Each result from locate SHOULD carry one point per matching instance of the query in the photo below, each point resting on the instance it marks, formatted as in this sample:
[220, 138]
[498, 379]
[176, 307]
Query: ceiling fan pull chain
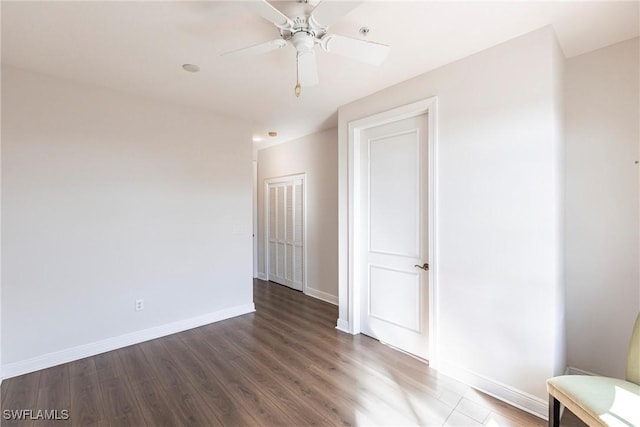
[298, 88]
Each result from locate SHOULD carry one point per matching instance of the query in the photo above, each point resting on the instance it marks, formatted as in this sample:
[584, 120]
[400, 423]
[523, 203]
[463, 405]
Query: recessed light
[192, 68]
[273, 134]
[256, 139]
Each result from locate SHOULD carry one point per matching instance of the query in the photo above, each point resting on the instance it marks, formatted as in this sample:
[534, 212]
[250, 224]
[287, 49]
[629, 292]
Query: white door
[286, 231]
[394, 226]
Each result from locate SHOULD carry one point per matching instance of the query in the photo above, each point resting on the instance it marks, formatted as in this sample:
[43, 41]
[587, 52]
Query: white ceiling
[139, 47]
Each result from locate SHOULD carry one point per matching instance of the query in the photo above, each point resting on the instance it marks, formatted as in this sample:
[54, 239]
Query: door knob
[424, 267]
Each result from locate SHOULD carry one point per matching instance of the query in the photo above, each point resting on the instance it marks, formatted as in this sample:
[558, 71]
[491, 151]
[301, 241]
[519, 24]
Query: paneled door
[394, 244]
[285, 232]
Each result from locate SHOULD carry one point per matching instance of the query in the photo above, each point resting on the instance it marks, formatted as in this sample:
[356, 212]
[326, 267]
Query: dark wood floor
[284, 365]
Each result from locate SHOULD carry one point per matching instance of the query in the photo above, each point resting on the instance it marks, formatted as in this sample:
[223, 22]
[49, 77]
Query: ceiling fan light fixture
[303, 41]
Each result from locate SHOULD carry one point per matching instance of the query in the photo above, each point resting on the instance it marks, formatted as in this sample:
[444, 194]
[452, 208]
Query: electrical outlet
[139, 304]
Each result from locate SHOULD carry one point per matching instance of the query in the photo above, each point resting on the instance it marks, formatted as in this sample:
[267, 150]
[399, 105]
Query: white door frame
[255, 218]
[428, 106]
[265, 192]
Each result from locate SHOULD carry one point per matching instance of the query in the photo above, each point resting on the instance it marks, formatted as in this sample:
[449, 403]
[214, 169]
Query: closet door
[297, 235]
[286, 231]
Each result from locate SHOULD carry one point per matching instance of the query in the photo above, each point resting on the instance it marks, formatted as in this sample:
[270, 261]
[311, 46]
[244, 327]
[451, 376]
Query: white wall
[1, 375]
[108, 198]
[317, 156]
[603, 283]
[498, 210]
[559, 297]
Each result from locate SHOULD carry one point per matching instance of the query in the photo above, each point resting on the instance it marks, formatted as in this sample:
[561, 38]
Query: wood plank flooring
[284, 365]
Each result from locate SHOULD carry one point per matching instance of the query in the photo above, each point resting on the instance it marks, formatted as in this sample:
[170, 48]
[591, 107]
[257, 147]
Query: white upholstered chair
[600, 401]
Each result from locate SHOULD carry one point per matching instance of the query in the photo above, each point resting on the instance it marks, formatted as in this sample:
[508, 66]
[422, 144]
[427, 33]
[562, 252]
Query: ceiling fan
[308, 29]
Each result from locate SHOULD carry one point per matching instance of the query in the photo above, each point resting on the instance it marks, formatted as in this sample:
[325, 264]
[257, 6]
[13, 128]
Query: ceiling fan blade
[258, 48]
[270, 13]
[360, 50]
[307, 68]
[328, 12]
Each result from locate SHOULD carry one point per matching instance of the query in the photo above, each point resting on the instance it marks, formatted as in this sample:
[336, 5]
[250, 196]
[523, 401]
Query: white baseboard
[262, 276]
[343, 326]
[69, 355]
[332, 299]
[575, 371]
[520, 399]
